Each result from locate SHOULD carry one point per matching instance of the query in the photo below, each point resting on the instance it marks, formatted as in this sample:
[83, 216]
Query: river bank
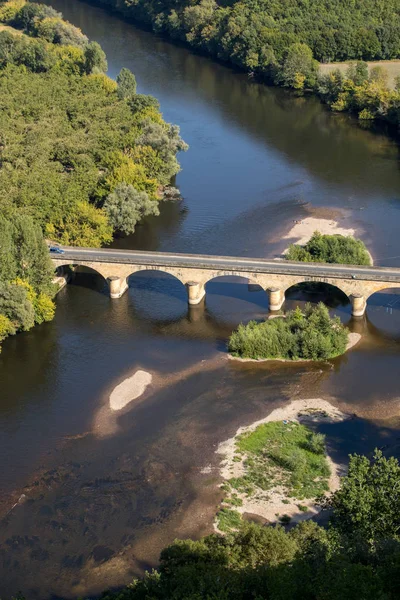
[290, 64]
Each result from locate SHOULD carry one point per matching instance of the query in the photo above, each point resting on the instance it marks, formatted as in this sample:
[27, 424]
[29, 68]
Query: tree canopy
[255, 34]
[281, 42]
[324, 248]
[311, 334]
[81, 157]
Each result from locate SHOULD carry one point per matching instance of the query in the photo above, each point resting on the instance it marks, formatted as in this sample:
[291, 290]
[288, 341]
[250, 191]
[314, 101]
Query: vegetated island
[311, 334]
[82, 157]
[281, 43]
[276, 468]
[323, 248]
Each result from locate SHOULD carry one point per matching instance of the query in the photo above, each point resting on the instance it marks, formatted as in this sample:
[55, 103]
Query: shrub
[6, 328]
[126, 206]
[311, 334]
[9, 10]
[330, 249]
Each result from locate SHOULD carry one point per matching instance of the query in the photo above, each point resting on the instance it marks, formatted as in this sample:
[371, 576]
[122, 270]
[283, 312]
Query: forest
[282, 42]
[82, 157]
[256, 33]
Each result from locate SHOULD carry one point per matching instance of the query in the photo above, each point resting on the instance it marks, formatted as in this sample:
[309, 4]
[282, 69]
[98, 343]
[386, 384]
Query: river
[89, 498]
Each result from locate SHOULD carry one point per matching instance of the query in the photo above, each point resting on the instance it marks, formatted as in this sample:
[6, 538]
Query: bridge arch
[157, 295]
[161, 271]
[383, 312]
[235, 298]
[318, 291]
[71, 271]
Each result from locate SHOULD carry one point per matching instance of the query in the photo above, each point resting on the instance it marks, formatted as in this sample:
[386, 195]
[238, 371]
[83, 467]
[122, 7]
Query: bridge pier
[358, 305]
[118, 285]
[196, 292]
[276, 298]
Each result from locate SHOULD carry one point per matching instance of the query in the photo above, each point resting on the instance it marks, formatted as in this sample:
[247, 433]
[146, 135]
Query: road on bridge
[229, 263]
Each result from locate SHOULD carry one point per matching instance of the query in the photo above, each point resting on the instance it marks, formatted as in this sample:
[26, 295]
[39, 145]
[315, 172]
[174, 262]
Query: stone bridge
[194, 271]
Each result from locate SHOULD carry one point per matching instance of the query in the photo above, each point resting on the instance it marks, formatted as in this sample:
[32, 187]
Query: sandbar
[302, 231]
[129, 389]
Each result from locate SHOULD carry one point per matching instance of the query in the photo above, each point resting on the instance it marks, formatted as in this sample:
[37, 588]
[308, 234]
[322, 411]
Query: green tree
[357, 72]
[368, 501]
[126, 84]
[44, 308]
[6, 328]
[126, 206]
[32, 255]
[8, 262]
[298, 66]
[16, 307]
[95, 59]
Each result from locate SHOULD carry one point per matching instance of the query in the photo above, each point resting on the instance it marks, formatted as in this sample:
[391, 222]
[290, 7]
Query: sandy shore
[303, 230]
[272, 504]
[130, 389]
[354, 338]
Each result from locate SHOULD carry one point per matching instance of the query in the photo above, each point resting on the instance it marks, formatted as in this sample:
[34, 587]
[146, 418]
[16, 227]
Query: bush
[9, 10]
[126, 206]
[311, 334]
[368, 501]
[6, 328]
[339, 249]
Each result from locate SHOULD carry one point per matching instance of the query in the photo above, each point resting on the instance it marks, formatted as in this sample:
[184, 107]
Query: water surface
[103, 493]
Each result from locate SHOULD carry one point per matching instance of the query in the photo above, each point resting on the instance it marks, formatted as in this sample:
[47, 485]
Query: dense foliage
[330, 249]
[256, 33]
[80, 137]
[281, 43]
[26, 274]
[359, 559]
[311, 334]
[81, 156]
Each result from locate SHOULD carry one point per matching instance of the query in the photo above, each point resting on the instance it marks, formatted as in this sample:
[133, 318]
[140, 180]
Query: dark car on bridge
[56, 250]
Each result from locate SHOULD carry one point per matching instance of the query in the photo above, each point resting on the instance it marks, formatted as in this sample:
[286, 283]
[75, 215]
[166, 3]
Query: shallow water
[103, 493]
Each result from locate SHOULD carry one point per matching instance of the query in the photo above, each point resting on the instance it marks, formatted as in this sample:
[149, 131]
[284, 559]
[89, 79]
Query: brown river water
[88, 499]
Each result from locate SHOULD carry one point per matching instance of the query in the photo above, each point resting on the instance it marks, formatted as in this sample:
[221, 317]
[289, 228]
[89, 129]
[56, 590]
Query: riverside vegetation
[278, 457]
[282, 42]
[338, 249]
[357, 556]
[301, 335]
[81, 156]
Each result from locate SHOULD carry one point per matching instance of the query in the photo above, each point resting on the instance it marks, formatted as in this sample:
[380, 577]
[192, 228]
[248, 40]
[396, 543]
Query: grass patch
[234, 500]
[310, 334]
[290, 455]
[228, 519]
